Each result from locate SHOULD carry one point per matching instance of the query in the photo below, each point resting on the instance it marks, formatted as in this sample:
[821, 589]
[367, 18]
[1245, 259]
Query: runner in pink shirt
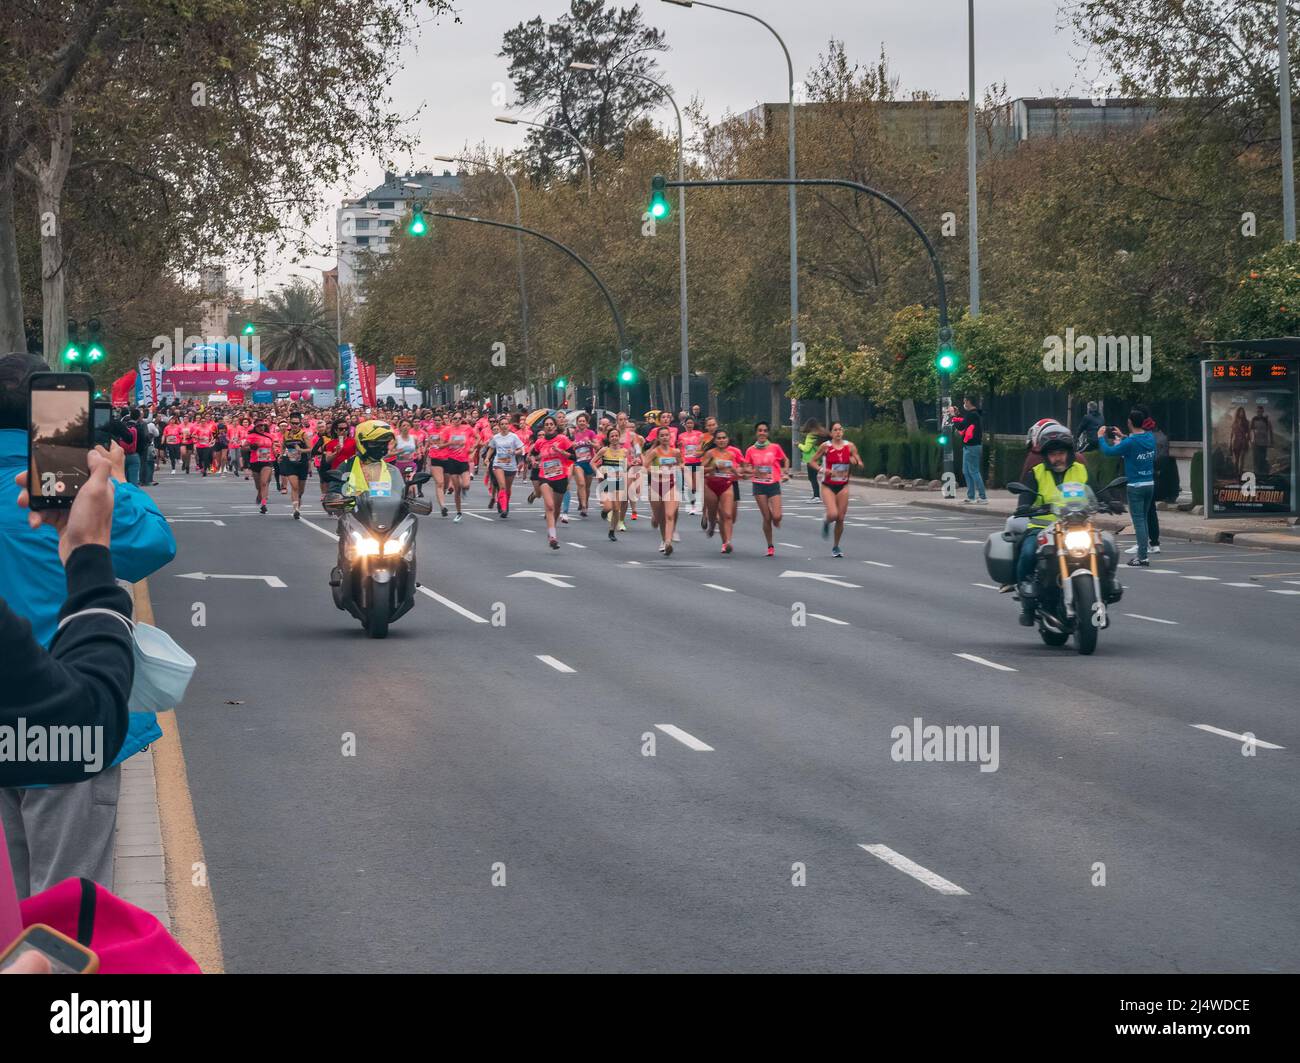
[691, 442]
[461, 443]
[585, 444]
[553, 458]
[765, 463]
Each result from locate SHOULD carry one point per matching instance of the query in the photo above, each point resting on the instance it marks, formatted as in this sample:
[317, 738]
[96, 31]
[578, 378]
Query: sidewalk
[1174, 524]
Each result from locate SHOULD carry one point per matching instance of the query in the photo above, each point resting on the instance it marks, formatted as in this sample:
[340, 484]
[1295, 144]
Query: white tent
[388, 386]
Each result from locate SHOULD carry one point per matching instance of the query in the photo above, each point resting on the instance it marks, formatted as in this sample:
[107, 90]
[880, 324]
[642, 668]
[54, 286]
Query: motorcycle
[1075, 564]
[375, 577]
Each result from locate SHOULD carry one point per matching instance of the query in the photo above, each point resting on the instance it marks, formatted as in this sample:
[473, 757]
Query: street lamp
[519, 249]
[660, 209]
[506, 120]
[794, 218]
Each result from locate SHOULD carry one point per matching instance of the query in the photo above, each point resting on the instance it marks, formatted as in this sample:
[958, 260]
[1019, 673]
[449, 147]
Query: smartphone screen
[103, 414]
[65, 957]
[60, 436]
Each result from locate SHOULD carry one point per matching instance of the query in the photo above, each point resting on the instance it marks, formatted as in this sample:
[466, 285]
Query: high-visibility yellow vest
[1049, 491]
[357, 484]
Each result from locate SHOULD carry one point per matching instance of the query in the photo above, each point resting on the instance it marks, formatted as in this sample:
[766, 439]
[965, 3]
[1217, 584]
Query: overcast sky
[451, 73]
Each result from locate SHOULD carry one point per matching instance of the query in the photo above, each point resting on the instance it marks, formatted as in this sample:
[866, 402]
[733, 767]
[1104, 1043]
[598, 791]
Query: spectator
[1161, 475]
[1138, 450]
[84, 678]
[65, 831]
[969, 423]
[813, 437]
[1088, 427]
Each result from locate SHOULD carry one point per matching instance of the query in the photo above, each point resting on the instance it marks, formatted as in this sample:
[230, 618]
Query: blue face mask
[162, 668]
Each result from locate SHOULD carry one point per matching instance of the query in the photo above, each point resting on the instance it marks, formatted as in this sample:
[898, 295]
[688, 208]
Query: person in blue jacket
[1138, 449]
[64, 831]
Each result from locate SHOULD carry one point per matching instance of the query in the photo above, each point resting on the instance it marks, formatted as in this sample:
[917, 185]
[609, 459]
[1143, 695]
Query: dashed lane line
[559, 666]
[1233, 734]
[685, 738]
[988, 664]
[911, 867]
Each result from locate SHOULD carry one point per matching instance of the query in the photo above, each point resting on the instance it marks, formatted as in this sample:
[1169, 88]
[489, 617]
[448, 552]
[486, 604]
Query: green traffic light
[946, 360]
[627, 375]
[943, 440]
[95, 354]
[418, 226]
[72, 353]
[659, 205]
[562, 383]
[249, 329]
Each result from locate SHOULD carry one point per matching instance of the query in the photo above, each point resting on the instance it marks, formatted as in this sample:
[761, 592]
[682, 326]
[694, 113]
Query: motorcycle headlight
[397, 544]
[1078, 542]
[364, 545]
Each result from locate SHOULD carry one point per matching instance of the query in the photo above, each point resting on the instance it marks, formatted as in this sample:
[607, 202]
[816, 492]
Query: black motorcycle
[1075, 564]
[375, 579]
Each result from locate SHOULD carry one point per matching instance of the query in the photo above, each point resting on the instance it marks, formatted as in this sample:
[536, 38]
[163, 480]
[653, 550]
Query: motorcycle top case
[1000, 557]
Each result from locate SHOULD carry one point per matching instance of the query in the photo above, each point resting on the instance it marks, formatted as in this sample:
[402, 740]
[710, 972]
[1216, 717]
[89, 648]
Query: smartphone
[103, 414]
[60, 437]
[65, 955]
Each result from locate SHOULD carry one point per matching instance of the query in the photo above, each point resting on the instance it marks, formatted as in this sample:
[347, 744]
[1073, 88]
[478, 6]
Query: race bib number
[692, 449]
[293, 452]
[840, 471]
[457, 441]
[552, 469]
[667, 462]
[722, 468]
[583, 451]
[763, 472]
[263, 453]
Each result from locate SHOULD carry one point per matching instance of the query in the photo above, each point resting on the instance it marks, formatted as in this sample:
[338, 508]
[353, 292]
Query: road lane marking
[990, 586]
[555, 579]
[559, 666]
[1165, 571]
[1271, 590]
[452, 605]
[910, 867]
[195, 520]
[1243, 585]
[1233, 734]
[953, 537]
[719, 587]
[686, 739]
[479, 516]
[980, 660]
[1205, 579]
[528, 531]
[1153, 619]
[820, 577]
[792, 546]
[878, 564]
[576, 546]
[929, 534]
[271, 581]
[831, 620]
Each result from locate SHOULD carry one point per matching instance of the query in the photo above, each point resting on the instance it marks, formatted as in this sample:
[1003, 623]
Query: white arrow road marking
[821, 577]
[271, 581]
[1153, 619]
[981, 660]
[195, 520]
[423, 590]
[1238, 584]
[559, 666]
[684, 738]
[910, 867]
[553, 578]
[831, 619]
[1233, 734]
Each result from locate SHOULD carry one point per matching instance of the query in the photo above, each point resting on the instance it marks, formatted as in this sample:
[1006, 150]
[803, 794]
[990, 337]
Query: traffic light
[946, 361]
[72, 352]
[627, 373]
[562, 383]
[94, 353]
[417, 226]
[943, 439]
[249, 329]
[659, 205]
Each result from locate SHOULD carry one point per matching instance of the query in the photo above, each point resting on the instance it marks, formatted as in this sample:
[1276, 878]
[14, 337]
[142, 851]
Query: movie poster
[1250, 435]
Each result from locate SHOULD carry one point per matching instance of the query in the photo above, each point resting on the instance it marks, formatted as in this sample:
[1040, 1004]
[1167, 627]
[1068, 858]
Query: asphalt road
[518, 747]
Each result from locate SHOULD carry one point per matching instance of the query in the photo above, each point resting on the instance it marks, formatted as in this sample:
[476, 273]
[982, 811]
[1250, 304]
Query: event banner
[1250, 410]
[351, 368]
[146, 390]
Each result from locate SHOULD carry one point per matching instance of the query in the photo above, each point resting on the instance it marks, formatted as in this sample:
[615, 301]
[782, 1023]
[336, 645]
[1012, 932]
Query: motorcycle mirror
[421, 478]
[422, 506]
[1119, 481]
[1018, 488]
[336, 503]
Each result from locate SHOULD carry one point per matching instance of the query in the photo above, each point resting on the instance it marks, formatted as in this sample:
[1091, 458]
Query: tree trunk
[12, 334]
[775, 415]
[49, 177]
[909, 415]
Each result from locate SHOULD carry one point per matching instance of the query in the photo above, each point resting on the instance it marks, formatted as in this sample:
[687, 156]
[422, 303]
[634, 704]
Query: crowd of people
[573, 461]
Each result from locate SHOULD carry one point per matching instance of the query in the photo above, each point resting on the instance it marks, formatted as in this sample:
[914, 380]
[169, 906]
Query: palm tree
[295, 331]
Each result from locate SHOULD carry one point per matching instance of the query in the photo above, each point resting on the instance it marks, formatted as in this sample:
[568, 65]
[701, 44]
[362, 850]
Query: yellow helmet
[373, 439]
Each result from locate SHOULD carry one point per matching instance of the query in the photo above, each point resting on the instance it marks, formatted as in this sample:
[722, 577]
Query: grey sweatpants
[59, 832]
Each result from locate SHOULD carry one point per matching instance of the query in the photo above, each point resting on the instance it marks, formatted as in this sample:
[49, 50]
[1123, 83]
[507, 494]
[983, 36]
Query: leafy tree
[296, 333]
[1266, 299]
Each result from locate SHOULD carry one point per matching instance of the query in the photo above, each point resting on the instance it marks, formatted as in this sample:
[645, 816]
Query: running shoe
[634, 514]
[726, 548]
[503, 514]
[676, 538]
[297, 515]
[555, 544]
[622, 526]
[263, 507]
[582, 513]
[444, 511]
[668, 550]
[771, 551]
[661, 548]
[458, 518]
[532, 497]
[704, 522]
[612, 537]
[710, 530]
[836, 552]
[564, 518]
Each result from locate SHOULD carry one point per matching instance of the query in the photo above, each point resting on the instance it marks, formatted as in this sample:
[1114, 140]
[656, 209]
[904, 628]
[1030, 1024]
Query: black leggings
[812, 480]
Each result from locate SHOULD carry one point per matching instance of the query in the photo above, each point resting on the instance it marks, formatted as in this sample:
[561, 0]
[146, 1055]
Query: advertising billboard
[1250, 411]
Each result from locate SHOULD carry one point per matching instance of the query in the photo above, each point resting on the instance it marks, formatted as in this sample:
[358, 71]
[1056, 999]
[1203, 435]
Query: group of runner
[662, 462]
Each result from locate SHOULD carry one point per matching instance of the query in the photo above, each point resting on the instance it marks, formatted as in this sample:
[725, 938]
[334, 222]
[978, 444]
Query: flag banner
[351, 370]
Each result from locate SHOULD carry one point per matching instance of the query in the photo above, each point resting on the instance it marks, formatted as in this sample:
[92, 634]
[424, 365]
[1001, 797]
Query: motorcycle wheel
[1085, 631]
[1054, 638]
[381, 608]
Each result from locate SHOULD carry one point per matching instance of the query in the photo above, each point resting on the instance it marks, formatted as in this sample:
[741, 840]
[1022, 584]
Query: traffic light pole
[625, 352]
[945, 330]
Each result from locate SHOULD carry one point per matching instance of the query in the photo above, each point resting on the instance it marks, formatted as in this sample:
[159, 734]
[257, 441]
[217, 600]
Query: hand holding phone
[90, 518]
[61, 955]
[60, 436]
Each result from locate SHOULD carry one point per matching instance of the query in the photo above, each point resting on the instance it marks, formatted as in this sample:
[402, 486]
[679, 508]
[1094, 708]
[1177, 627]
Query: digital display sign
[1252, 447]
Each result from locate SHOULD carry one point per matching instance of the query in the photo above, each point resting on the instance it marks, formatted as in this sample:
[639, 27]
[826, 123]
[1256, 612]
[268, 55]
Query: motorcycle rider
[368, 471]
[1058, 466]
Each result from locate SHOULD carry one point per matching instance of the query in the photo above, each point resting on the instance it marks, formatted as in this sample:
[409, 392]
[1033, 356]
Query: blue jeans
[1139, 500]
[1027, 555]
[970, 469]
[133, 469]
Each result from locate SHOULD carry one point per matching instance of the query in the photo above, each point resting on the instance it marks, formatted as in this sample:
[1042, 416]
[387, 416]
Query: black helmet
[1055, 437]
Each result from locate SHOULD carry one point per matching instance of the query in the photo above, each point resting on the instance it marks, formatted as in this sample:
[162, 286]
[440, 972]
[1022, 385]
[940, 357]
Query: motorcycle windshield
[380, 512]
[1076, 500]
